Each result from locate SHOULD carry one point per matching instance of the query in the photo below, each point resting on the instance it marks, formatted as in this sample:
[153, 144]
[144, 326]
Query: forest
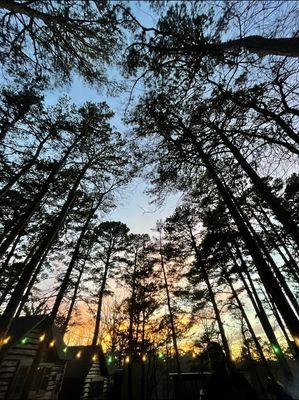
[209, 116]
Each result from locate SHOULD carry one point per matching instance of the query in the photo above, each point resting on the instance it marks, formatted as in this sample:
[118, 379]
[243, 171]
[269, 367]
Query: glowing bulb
[296, 340]
[144, 358]
[109, 360]
[42, 337]
[52, 343]
[78, 355]
[65, 350]
[193, 355]
[24, 340]
[94, 358]
[276, 349]
[6, 340]
[127, 360]
[160, 355]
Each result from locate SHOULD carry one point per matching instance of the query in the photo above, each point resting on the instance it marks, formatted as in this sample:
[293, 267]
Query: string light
[193, 355]
[144, 358]
[296, 340]
[127, 360]
[276, 349]
[160, 355]
[109, 360]
[78, 355]
[42, 337]
[6, 340]
[65, 349]
[94, 358]
[24, 340]
[52, 343]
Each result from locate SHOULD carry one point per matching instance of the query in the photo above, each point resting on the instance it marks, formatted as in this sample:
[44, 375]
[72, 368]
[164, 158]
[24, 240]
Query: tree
[112, 241]
[182, 228]
[100, 159]
[143, 283]
[186, 153]
[19, 104]
[58, 38]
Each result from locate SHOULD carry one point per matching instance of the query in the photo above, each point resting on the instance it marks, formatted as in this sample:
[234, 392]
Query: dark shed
[86, 375]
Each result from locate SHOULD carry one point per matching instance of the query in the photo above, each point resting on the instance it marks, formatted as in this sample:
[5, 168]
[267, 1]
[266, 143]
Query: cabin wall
[19, 355]
[18, 358]
[96, 385]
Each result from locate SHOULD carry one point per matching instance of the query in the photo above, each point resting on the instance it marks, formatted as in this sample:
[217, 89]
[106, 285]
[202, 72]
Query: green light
[160, 355]
[24, 340]
[109, 360]
[65, 350]
[276, 349]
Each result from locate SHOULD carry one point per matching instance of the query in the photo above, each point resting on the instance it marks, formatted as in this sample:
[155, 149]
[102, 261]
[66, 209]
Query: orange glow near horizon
[82, 326]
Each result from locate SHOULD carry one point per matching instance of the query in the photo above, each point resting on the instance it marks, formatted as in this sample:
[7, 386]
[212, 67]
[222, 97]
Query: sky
[134, 208]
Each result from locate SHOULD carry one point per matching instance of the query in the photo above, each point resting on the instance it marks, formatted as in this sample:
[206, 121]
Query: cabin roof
[22, 326]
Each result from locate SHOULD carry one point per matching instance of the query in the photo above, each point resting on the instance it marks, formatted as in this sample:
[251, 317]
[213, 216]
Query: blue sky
[134, 206]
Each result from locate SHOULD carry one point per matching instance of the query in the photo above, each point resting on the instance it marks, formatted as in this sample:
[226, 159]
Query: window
[45, 379]
[41, 379]
[18, 382]
[39, 384]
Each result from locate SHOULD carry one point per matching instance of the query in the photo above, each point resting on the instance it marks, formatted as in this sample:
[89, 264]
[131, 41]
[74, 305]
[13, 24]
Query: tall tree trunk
[31, 283]
[67, 275]
[142, 355]
[285, 47]
[282, 214]
[263, 269]
[217, 315]
[269, 281]
[278, 319]
[100, 300]
[73, 300]
[266, 275]
[251, 330]
[278, 274]
[50, 321]
[292, 269]
[13, 279]
[173, 330]
[260, 311]
[212, 298]
[50, 236]
[279, 239]
[10, 254]
[131, 322]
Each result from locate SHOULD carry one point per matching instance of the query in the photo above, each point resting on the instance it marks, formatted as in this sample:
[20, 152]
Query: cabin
[86, 374]
[22, 343]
